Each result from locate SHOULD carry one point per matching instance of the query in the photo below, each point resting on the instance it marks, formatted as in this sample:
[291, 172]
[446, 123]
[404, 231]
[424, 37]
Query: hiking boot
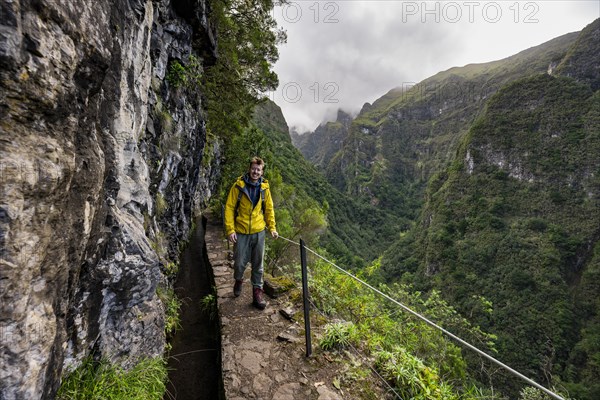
[259, 302]
[237, 288]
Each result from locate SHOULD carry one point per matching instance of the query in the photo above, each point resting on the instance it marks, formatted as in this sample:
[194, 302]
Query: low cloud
[341, 54]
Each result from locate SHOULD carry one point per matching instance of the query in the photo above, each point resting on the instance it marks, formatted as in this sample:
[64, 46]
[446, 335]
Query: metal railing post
[305, 296]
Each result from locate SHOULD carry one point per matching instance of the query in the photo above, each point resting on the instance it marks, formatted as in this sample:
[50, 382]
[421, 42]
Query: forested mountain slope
[396, 144]
[515, 218]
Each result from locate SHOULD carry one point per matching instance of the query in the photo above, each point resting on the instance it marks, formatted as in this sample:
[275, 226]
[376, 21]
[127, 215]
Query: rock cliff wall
[320, 146]
[102, 165]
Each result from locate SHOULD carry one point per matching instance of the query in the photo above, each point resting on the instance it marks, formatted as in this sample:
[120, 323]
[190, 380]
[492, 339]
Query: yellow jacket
[249, 220]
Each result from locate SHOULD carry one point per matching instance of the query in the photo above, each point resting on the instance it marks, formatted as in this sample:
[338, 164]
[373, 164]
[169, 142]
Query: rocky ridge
[321, 145]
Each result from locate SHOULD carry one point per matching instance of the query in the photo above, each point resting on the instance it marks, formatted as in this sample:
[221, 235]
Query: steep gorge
[496, 165]
[396, 144]
[102, 167]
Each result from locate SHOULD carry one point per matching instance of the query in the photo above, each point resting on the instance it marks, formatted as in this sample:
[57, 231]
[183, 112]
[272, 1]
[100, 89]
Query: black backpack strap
[237, 204]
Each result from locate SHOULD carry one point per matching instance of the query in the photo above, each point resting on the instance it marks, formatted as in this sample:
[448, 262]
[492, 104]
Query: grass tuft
[338, 335]
[103, 380]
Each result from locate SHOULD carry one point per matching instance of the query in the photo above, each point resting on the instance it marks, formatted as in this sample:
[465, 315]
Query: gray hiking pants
[249, 248]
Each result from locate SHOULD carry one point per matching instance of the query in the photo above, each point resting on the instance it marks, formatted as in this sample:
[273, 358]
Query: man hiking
[248, 212]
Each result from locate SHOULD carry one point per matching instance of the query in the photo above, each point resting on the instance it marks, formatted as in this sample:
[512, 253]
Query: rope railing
[289, 240]
[429, 322]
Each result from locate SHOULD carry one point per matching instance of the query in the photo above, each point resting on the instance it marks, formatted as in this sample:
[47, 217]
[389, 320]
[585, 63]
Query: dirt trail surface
[264, 353]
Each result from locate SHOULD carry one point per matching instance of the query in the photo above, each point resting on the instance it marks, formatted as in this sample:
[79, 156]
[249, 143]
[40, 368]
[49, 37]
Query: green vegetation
[284, 282]
[176, 74]
[208, 305]
[338, 335]
[416, 359]
[531, 393]
[172, 305]
[512, 219]
[171, 269]
[98, 380]
[248, 39]
[410, 376]
[188, 76]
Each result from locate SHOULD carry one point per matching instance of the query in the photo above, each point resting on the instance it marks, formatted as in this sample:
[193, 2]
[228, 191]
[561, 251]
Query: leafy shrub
[177, 74]
[411, 377]
[536, 224]
[531, 393]
[382, 328]
[189, 75]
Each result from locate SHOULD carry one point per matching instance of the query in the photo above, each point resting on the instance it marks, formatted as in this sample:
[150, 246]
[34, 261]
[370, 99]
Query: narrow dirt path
[264, 353]
[195, 361]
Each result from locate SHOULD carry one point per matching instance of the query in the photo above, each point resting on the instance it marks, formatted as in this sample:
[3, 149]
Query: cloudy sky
[343, 53]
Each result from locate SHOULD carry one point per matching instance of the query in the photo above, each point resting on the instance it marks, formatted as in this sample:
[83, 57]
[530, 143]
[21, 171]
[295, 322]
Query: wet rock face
[84, 160]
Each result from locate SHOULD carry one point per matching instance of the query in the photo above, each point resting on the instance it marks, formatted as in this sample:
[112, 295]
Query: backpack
[237, 204]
